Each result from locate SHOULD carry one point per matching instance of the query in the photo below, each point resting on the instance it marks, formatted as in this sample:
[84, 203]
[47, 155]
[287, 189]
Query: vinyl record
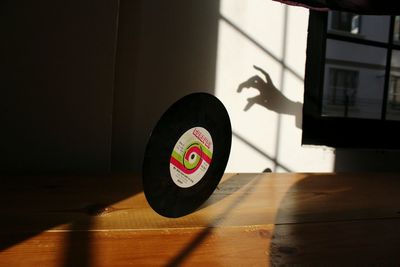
[186, 155]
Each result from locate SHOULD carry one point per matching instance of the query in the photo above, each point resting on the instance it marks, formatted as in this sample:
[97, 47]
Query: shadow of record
[186, 155]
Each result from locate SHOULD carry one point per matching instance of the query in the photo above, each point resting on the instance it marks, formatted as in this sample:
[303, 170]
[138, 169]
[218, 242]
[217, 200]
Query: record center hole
[192, 156]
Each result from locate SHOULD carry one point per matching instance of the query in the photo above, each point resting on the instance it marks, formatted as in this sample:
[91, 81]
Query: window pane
[396, 30]
[393, 101]
[354, 80]
[346, 22]
[374, 28]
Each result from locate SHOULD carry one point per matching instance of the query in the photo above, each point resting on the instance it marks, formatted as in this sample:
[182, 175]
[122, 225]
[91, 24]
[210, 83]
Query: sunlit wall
[271, 36]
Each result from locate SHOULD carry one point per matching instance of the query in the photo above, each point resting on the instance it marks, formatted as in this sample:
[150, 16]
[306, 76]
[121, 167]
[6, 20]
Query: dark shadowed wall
[82, 82]
[56, 85]
[173, 54]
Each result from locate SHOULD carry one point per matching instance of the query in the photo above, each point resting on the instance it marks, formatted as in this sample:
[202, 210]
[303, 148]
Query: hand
[270, 97]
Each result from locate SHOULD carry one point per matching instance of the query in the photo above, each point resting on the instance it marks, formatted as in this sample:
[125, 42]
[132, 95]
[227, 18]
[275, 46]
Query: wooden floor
[250, 220]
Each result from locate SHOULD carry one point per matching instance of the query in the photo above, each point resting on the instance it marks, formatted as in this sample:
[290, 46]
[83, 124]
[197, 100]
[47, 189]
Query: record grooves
[186, 155]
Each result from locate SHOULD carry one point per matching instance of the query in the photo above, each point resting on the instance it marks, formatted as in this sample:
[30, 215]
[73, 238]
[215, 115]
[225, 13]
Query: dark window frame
[336, 131]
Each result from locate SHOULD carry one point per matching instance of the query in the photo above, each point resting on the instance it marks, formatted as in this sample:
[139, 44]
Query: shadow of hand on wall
[270, 97]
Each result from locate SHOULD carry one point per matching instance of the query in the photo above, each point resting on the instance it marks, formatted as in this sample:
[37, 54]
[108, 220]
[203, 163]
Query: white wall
[186, 46]
[272, 36]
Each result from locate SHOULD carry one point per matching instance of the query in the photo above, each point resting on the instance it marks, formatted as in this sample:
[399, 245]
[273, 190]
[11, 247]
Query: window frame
[340, 132]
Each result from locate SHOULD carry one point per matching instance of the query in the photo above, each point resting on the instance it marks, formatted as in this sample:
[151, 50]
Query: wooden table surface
[250, 220]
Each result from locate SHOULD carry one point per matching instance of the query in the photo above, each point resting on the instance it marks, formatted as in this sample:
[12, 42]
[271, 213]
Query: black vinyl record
[186, 155]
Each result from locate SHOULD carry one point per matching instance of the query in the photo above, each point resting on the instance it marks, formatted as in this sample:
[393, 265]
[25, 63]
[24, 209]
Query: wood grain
[250, 220]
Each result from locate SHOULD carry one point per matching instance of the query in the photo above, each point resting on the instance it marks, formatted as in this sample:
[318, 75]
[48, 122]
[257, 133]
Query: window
[342, 87]
[346, 22]
[352, 83]
[396, 30]
[393, 108]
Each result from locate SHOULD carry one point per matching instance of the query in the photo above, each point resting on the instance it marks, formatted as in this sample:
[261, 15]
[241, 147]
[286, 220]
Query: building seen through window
[342, 91]
[393, 102]
[394, 93]
[346, 22]
[362, 67]
[396, 30]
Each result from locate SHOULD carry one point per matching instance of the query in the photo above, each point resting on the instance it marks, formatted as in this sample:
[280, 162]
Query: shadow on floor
[34, 204]
[339, 220]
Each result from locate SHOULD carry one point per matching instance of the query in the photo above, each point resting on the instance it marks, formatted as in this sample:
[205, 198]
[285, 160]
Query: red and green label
[191, 157]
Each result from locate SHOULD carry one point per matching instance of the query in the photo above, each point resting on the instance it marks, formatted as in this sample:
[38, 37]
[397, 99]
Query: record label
[191, 157]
